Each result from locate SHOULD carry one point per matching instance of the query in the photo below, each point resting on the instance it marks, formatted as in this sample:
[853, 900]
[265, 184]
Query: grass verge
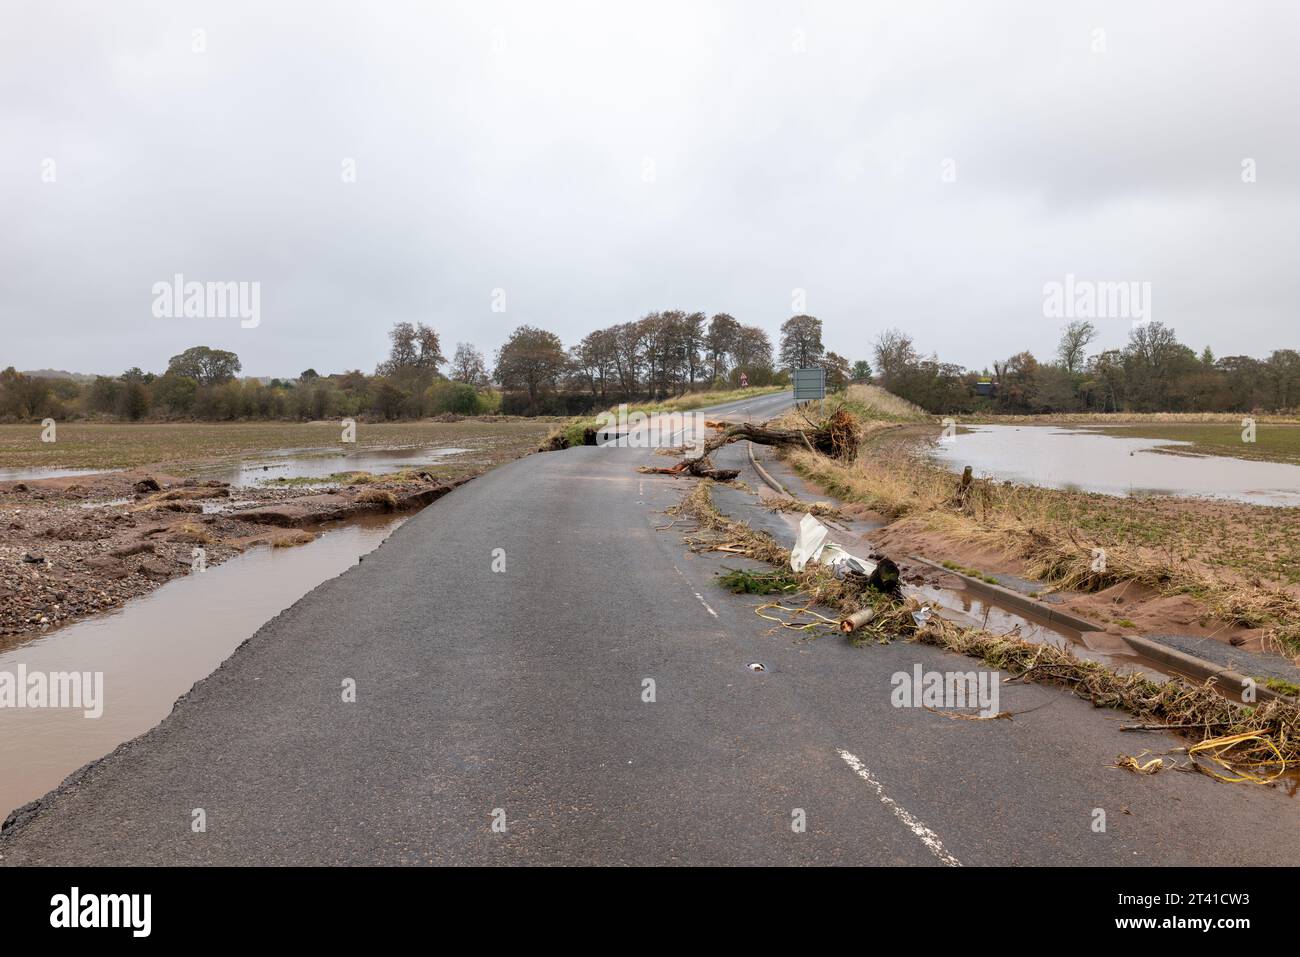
[1239, 561]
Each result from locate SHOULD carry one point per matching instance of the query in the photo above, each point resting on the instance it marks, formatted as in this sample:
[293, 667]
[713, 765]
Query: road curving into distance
[502, 716]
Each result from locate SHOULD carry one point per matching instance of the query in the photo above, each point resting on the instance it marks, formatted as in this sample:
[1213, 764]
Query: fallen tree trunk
[837, 437]
[701, 467]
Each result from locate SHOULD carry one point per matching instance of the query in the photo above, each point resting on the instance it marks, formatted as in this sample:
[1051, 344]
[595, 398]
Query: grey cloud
[502, 145]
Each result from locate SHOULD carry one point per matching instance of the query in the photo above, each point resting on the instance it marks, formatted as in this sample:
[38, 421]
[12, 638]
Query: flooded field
[193, 448]
[1115, 464]
[32, 474]
[154, 649]
[306, 463]
[317, 463]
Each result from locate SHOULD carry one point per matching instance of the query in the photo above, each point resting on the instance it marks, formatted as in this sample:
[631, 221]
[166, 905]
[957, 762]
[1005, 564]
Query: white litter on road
[811, 545]
[927, 836]
[808, 544]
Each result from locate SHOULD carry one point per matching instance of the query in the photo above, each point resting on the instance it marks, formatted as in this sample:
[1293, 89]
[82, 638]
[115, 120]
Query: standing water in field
[32, 474]
[1064, 458]
[310, 464]
[153, 650]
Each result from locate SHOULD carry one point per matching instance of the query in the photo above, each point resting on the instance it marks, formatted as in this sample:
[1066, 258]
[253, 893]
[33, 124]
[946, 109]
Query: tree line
[1152, 372]
[668, 353]
[657, 356]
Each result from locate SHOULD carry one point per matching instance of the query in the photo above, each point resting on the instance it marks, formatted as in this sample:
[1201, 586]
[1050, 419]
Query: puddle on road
[310, 463]
[155, 648]
[1114, 465]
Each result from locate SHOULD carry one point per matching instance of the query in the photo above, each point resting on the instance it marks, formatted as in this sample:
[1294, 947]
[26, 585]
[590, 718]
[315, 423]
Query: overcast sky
[599, 161]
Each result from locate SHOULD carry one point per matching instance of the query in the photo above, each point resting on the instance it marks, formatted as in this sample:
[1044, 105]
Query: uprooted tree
[836, 437]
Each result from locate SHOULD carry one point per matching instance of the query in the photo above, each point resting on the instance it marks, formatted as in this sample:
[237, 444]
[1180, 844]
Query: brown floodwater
[312, 463]
[34, 473]
[1066, 458]
[154, 649]
[981, 611]
[298, 463]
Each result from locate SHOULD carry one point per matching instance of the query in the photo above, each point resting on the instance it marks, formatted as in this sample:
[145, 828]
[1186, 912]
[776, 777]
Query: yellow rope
[823, 622]
[1216, 750]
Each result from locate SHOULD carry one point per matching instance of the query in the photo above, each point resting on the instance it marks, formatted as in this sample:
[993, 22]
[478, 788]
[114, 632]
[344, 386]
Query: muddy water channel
[154, 649]
[30, 474]
[311, 464]
[1066, 458]
[300, 463]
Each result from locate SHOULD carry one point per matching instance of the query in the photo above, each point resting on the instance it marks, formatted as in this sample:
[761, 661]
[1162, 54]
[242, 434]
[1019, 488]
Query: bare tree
[593, 361]
[1074, 340]
[895, 356]
[468, 366]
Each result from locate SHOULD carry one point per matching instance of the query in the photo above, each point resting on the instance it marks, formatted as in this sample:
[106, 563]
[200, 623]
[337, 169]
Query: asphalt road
[518, 697]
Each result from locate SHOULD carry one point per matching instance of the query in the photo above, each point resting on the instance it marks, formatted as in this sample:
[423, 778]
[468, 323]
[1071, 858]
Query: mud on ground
[74, 547]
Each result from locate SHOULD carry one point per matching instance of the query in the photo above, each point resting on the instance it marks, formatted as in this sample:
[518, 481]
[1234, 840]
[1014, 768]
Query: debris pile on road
[1127, 762]
[1255, 742]
[811, 544]
[847, 594]
[837, 436]
[701, 467]
[823, 510]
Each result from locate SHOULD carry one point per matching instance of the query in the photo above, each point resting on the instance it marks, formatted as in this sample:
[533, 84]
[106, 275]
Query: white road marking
[695, 593]
[927, 836]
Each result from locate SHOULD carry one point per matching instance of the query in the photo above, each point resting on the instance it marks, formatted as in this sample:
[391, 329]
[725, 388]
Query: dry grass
[378, 496]
[822, 510]
[191, 532]
[1195, 711]
[1054, 533]
[188, 494]
[293, 538]
[872, 406]
[873, 402]
[1121, 418]
[167, 505]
